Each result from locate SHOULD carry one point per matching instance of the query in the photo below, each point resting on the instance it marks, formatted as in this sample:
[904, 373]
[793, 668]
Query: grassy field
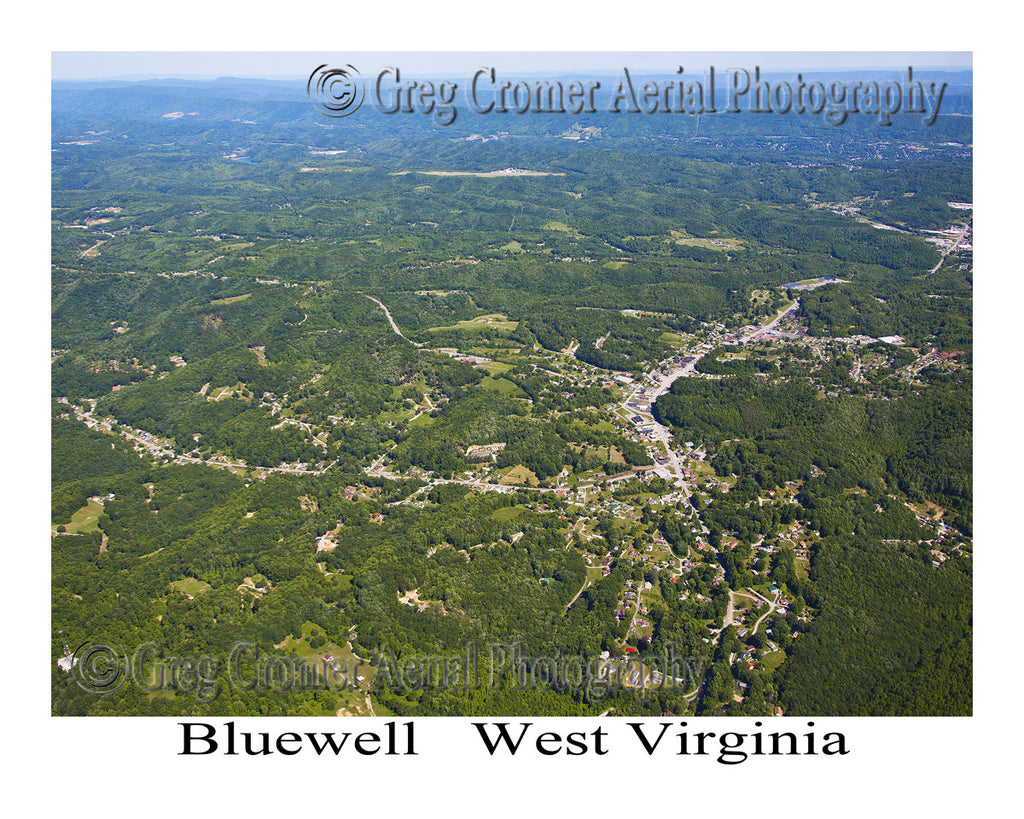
[660, 553]
[190, 586]
[494, 367]
[769, 662]
[351, 701]
[507, 513]
[395, 416]
[85, 521]
[682, 238]
[519, 475]
[701, 469]
[674, 339]
[230, 300]
[497, 321]
[222, 392]
[561, 227]
[502, 385]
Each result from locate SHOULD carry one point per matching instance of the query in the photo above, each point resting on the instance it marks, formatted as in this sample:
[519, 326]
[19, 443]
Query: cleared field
[507, 513]
[230, 300]
[395, 416]
[221, 392]
[561, 227]
[494, 367]
[519, 475]
[682, 238]
[769, 662]
[479, 173]
[190, 586]
[353, 702]
[303, 648]
[497, 321]
[85, 521]
[702, 468]
[502, 385]
[672, 338]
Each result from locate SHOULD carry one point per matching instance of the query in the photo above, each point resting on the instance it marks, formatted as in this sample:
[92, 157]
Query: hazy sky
[77, 65]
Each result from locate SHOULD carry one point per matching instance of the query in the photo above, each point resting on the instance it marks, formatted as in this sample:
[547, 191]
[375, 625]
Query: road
[771, 607]
[583, 588]
[748, 592]
[952, 247]
[660, 433]
[764, 328]
[391, 321]
[730, 609]
[99, 242]
[149, 441]
[429, 408]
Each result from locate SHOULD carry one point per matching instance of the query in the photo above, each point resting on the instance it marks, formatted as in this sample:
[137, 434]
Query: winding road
[391, 320]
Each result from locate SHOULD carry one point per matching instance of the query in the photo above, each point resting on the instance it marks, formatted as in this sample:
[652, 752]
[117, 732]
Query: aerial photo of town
[572, 412]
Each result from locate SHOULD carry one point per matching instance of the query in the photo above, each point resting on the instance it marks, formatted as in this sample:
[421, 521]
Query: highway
[952, 247]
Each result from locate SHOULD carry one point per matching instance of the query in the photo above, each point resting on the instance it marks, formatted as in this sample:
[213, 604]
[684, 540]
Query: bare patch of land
[505, 172]
[682, 238]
